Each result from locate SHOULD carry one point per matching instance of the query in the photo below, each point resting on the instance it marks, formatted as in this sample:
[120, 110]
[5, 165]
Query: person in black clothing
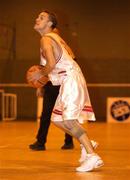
[50, 95]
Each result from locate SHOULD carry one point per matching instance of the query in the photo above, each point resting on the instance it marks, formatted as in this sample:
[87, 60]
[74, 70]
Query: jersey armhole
[60, 49]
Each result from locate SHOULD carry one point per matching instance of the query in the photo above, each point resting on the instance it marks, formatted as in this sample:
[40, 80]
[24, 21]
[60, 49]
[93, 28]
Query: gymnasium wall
[97, 31]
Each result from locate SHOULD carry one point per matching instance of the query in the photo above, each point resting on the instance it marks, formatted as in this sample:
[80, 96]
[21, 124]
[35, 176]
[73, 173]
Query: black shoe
[37, 146]
[67, 146]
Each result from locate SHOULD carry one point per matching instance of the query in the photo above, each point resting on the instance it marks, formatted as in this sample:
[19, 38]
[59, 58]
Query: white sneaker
[83, 151]
[92, 161]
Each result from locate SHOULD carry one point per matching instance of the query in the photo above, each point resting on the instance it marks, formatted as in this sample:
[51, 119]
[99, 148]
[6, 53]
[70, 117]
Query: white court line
[5, 146]
[88, 84]
[14, 167]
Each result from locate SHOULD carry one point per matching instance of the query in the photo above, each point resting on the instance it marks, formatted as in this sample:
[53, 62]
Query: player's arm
[48, 50]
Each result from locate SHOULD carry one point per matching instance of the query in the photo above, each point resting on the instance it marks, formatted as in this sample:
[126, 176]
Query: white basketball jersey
[64, 62]
[73, 101]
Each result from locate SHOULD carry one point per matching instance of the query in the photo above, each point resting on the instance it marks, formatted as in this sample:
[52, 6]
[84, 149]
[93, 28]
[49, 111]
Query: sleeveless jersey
[73, 101]
[64, 62]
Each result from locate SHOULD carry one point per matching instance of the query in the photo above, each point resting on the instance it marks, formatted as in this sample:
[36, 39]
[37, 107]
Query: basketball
[36, 82]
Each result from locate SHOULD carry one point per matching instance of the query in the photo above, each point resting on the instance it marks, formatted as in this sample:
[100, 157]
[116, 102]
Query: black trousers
[50, 95]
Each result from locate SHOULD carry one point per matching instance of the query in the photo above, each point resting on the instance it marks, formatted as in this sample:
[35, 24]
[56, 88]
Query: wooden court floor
[17, 161]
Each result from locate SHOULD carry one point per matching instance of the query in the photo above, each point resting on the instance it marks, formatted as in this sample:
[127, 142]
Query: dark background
[97, 31]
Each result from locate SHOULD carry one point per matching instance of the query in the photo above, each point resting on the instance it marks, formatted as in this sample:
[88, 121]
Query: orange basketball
[36, 83]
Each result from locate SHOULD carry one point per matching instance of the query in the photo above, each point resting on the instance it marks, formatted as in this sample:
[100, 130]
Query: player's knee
[68, 124]
[75, 129]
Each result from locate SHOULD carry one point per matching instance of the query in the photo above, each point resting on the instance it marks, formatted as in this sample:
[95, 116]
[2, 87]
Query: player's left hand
[35, 76]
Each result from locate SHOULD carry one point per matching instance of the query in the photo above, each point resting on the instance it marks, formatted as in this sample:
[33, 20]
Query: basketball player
[50, 94]
[73, 104]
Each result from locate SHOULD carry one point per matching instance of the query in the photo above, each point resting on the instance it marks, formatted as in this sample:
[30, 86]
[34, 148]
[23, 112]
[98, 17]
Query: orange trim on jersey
[56, 111]
[88, 108]
[61, 72]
